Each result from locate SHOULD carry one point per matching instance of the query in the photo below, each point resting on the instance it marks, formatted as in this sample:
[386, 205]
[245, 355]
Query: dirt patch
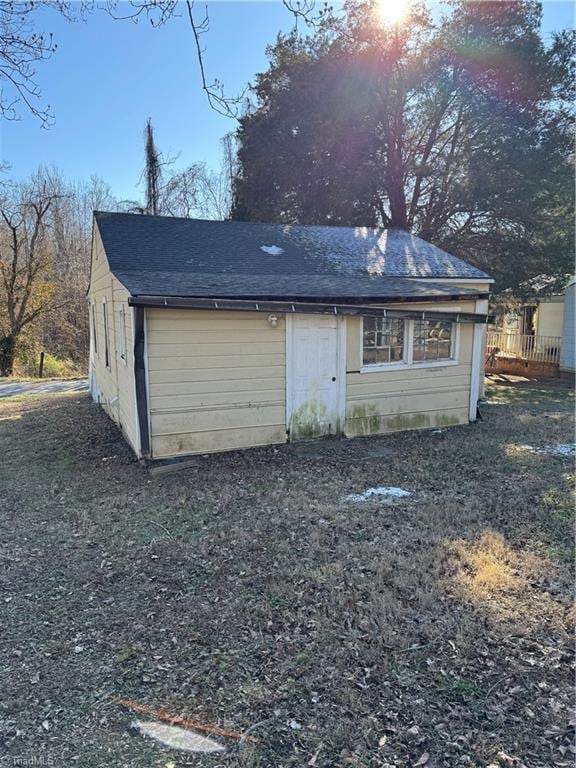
[357, 449]
[244, 593]
[530, 382]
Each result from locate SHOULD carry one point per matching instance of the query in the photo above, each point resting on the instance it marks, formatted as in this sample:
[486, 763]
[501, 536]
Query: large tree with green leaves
[458, 129]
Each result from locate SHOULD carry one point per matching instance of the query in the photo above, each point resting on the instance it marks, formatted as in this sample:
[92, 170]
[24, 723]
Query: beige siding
[217, 381]
[409, 398]
[113, 386]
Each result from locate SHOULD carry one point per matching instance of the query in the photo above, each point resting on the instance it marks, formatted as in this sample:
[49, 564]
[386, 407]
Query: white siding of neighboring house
[549, 317]
[568, 343]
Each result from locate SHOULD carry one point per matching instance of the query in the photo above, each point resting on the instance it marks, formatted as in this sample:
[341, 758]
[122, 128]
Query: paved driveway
[42, 387]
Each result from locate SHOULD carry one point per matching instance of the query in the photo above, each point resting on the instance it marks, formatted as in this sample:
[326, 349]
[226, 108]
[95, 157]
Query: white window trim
[94, 327]
[397, 366]
[106, 332]
[408, 362]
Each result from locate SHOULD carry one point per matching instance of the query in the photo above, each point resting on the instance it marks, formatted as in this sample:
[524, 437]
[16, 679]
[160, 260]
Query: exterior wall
[549, 317]
[568, 343]
[113, 386]
[217, 381]
[412, 397]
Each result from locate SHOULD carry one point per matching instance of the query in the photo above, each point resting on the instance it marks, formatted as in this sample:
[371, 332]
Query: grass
[244, 592]
[36, 380]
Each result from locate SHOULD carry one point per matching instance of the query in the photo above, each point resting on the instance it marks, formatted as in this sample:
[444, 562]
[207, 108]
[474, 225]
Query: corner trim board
[289, 367]
[140, 380]
[475, 372]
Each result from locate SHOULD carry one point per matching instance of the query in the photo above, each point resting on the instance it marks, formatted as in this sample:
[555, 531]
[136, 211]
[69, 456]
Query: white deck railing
[541, 349]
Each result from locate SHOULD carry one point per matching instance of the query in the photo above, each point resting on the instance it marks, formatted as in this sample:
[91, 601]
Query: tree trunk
[7, 353]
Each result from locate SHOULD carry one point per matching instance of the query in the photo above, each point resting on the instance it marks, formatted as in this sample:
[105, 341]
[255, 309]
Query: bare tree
[26, 292]
[202, 192]
[22, 48]
[182, 191]
[65, 334]
[158, 12]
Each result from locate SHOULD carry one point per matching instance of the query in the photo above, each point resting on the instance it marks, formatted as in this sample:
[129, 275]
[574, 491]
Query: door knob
[333, 378]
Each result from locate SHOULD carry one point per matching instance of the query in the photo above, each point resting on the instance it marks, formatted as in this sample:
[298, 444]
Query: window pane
[383, 355]
[418, 353]
[369, 323]
[369, 356]
[369, 339]
[444, 349]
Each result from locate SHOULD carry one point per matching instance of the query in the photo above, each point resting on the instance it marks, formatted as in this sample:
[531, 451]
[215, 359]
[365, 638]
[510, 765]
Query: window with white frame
[383, 340]
[94, 332]
[122, 333]
[392, 342]
[432, 340]
[106, 333]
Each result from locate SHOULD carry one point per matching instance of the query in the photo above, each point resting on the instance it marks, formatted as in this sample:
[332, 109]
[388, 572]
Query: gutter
[297, 307]
[140, 380]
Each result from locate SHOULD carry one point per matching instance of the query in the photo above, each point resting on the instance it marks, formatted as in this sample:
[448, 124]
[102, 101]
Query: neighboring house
[568, 344]
[549, 316]
[536, 317]
[536, 337]
[210, 336]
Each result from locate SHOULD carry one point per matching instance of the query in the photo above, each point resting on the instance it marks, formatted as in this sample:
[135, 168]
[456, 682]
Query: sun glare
[392, 12]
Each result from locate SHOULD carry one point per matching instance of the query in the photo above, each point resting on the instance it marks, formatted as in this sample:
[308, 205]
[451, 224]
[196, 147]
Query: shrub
[28, 364]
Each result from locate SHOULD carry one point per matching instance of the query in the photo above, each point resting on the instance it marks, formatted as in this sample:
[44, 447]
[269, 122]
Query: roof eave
[163, 300]
[301, 307]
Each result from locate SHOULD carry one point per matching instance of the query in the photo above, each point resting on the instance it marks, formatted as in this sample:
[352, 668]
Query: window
[106, 335]
[432, 340]
[383, 341]
[94, 333]
[122, 333]
[395, 343]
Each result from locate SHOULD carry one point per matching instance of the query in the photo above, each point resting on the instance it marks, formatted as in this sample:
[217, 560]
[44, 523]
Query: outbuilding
[217, 335]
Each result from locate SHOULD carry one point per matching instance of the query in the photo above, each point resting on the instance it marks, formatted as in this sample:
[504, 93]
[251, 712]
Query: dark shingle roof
[157, 255]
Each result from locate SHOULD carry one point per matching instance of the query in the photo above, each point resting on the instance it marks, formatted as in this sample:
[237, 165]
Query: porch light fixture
[273, 320]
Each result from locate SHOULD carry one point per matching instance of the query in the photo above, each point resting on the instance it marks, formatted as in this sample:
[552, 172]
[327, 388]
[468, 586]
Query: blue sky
[107, 77]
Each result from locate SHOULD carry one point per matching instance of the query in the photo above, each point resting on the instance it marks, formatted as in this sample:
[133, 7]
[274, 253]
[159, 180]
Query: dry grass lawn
[428, 630]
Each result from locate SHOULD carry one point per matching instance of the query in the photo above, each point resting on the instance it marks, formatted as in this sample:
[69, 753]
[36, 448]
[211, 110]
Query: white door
[315, 381]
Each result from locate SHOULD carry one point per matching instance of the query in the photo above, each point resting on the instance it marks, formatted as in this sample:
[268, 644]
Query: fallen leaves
[242, 590]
